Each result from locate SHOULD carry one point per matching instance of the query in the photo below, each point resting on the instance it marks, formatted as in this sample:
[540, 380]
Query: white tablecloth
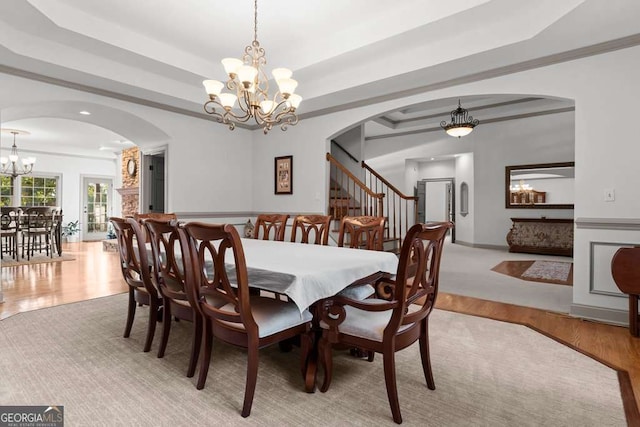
[307, 273]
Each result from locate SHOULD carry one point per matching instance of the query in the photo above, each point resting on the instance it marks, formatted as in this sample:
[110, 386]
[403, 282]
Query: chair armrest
[332, 312]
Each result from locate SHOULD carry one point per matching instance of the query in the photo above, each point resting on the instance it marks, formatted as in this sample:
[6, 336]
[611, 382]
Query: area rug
[554, 272]
[35, 259]
[487, 373]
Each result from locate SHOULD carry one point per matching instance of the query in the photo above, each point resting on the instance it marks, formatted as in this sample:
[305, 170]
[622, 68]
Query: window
[6, 190]
[38, 191]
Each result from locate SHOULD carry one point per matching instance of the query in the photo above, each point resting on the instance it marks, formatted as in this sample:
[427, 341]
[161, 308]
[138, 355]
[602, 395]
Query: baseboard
[601, 314]
[482, 246]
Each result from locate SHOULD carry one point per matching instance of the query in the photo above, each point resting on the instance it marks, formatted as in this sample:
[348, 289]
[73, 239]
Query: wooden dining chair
[158, 216]
[216, 270]
[9, 231]
[37, 230]
[270, 227]
[397, 317]
[313, 229]
[135, 267]
[169, 277]
[362, 232]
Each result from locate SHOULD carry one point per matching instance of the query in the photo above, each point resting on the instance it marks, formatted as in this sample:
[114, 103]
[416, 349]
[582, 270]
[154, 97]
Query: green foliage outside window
[38, 191]
[6, 190]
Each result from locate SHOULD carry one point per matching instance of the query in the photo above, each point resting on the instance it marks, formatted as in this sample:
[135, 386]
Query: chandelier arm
[291, 121]
[284, 113]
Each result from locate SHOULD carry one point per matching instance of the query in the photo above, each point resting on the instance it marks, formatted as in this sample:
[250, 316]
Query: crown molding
[570, 55]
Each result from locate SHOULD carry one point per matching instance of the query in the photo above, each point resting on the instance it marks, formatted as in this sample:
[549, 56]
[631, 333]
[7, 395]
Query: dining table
[307, 274]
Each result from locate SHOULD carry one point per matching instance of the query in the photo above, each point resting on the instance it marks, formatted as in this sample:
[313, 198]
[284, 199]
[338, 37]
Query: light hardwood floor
[95, 274]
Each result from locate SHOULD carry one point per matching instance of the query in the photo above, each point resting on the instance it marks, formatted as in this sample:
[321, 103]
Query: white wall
[465, 173]
[437, 169]
[352, 141]
[601, 86]
[209, 168]
[435, 203]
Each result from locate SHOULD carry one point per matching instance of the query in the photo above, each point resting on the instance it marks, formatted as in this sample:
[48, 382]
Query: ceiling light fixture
[85, 113]
[461, 122]
[10, 166]
[250, 83]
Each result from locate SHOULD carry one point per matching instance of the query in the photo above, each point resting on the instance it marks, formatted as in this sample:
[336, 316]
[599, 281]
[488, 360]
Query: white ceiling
[343, 53]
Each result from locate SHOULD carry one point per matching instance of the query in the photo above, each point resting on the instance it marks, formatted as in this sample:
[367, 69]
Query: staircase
[349, 196]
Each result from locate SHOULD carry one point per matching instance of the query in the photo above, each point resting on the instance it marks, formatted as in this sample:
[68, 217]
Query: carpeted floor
[487, 373]
[468, 271]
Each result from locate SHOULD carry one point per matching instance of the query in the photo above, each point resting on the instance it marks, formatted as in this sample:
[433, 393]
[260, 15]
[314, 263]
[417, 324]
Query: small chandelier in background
[461, 122]
[250, 83]
[12, 166]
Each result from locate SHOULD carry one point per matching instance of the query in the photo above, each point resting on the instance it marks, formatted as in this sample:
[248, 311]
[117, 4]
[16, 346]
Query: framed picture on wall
[284, 175]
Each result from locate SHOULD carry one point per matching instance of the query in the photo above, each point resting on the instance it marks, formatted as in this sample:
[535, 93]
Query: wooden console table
[552, 236]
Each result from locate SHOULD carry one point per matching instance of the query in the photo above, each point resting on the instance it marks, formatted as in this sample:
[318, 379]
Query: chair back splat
[365, 232]
[169, 277]
[9, 231]
[217, 278]
[398, 314]
[136, 271]
[313, 229]
[270, 227]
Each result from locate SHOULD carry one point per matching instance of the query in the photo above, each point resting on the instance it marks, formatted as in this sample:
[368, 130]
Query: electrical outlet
[609, 195]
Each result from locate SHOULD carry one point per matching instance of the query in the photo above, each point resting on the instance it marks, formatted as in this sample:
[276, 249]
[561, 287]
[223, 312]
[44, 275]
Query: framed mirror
[540, 186]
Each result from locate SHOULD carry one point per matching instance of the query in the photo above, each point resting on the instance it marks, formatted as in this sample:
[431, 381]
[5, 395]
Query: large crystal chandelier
[11, 166]
[250, 84]
[461, 122]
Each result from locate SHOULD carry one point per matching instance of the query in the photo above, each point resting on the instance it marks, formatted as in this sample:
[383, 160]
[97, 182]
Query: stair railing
[349, 196]
[398, 207]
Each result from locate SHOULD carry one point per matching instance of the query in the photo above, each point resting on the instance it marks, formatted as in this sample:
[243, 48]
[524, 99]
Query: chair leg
[425, 355]
[390, 380]
[207, 337]
[131, 311]
[326, 359]
[252, 378]
[153, 319]
[195, 346]
[166, 327]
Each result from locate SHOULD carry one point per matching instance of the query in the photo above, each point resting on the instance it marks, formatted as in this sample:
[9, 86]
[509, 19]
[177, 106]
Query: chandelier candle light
[461, 122]
[11, 166]
[250, 83]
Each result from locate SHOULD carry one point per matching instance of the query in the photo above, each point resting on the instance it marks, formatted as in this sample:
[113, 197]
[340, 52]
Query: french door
[97, 207]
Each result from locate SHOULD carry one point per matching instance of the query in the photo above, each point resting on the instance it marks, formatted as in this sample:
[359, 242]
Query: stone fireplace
[130, 190]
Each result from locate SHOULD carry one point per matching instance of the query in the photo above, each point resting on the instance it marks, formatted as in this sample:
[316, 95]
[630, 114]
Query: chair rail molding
[608, 223]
